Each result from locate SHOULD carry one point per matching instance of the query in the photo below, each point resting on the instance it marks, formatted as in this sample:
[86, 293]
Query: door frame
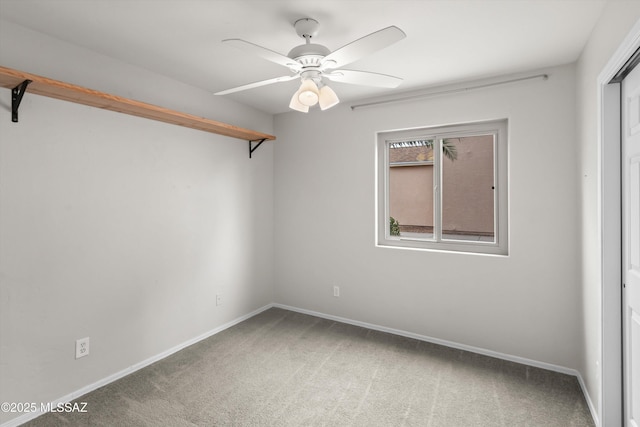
[611, 398]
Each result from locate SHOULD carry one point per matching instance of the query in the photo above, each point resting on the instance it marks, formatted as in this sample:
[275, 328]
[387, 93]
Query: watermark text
[25, 407]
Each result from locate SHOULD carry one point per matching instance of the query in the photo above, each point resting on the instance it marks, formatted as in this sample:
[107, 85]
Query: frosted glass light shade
[328, 98]
[308, 93]
[295, 104]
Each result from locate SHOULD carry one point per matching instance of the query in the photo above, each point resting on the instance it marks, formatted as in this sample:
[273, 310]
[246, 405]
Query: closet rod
[448, 91]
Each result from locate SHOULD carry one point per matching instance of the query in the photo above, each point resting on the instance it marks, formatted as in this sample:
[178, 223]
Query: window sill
[472, 248]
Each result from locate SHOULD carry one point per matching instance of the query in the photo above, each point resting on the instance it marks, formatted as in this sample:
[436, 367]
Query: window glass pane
[468, 188]
[411, 189]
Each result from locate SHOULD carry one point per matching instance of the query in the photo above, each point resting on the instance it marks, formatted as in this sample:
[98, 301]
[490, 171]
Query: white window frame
[496, 127]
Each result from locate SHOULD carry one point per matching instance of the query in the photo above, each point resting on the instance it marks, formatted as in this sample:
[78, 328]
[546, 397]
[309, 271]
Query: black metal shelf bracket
[252, 149]
[16, 98]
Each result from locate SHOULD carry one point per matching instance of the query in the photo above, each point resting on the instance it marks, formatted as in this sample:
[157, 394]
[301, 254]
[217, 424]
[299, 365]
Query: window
[444, 188]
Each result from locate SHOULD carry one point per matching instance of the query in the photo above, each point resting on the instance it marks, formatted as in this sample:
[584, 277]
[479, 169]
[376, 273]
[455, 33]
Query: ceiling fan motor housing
[309, 54]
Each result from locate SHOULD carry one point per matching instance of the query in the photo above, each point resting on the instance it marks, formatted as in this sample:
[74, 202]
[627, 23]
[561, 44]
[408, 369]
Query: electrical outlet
[82, 347]
[336, 291]
[218, 299]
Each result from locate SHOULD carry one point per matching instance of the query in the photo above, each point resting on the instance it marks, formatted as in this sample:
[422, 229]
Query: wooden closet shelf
[39, 85]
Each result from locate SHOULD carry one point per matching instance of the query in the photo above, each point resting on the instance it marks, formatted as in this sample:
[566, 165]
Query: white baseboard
[592, 407]
[84, 390]
[69, 397]
[478, 350]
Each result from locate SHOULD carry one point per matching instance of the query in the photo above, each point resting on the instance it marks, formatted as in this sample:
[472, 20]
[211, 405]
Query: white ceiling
[447, 40]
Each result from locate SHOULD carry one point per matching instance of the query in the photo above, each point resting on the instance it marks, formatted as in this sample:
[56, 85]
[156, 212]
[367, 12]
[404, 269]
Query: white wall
[120, 228]
[526, 304]
[617, 20]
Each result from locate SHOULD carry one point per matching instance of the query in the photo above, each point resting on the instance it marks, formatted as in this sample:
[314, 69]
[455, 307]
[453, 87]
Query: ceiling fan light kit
[308, 94]
[295, 104]
[313, 62]
[328, 98]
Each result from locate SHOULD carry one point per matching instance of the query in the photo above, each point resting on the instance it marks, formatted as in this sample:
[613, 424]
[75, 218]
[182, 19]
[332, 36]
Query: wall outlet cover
[82, 347]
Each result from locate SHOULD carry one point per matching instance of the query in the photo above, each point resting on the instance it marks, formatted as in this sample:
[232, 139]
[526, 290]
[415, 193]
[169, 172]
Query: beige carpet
[282, 368]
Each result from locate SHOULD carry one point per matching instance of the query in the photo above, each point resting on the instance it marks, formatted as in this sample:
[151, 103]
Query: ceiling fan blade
[364, 78]
[362, 47]
[257, 84]
[264, 53]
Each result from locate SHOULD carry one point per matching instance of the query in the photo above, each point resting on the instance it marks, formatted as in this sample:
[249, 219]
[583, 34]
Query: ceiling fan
[313, 63]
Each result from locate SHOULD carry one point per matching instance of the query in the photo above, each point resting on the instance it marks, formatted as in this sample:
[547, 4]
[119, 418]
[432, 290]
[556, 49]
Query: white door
[631, 244]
